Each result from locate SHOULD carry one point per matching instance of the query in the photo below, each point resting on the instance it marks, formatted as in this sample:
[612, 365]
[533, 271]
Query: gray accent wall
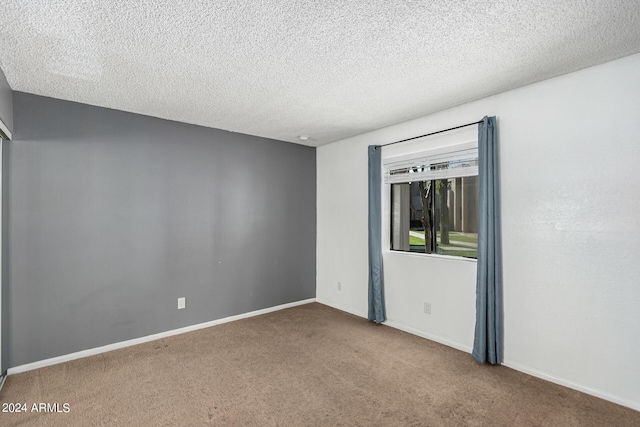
[6, 102]
[112, 216]
[4, 345]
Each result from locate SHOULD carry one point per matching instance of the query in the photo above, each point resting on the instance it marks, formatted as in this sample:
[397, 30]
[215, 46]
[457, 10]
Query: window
[434, 201]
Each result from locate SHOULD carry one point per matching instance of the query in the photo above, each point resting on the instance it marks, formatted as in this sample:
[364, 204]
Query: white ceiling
[283, 68]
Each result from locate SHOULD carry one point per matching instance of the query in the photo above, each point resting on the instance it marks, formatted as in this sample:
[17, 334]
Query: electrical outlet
[427, 308]
[182, 303]
[339, 286]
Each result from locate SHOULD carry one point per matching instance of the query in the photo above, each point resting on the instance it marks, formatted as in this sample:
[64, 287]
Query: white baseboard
[135, 341]
[342, 308]
[510, 364]
[597, 393]
[399, 326]
[521, 368]
[435, 338]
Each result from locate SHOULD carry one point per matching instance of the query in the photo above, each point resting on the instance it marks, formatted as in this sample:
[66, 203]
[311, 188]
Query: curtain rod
[429, 134]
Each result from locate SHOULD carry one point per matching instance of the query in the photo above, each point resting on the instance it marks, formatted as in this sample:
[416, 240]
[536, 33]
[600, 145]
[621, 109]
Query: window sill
[437, 256]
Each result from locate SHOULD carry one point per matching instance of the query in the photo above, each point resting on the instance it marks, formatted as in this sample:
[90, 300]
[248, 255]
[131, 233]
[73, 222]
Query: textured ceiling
[283, 68]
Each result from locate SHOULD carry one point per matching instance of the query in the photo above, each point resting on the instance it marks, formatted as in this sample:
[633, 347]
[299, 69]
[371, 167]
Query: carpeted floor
[306, 366]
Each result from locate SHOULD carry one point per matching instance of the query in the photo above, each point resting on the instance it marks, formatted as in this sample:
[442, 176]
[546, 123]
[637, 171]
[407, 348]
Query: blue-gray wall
[112, 216]
[6, 117]
[6, 104]
[4, 310]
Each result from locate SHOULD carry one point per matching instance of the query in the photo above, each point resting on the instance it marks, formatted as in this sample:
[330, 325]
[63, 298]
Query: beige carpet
[306, 366]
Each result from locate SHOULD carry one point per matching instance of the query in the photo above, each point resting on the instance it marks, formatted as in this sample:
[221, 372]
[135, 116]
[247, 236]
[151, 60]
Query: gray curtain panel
[376, 274]
[489, 332]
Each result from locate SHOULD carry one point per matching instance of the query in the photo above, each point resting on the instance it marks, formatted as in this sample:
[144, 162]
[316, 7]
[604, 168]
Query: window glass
[437, 216]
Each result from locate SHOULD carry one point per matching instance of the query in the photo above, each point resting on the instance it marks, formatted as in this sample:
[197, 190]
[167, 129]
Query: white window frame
[436, 153]
[453, 153]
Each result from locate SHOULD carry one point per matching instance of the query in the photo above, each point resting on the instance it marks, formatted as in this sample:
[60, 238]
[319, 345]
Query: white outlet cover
[182, 303]
[427, 308]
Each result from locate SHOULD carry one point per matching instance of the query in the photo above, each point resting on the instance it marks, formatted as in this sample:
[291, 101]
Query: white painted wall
[570, 173]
